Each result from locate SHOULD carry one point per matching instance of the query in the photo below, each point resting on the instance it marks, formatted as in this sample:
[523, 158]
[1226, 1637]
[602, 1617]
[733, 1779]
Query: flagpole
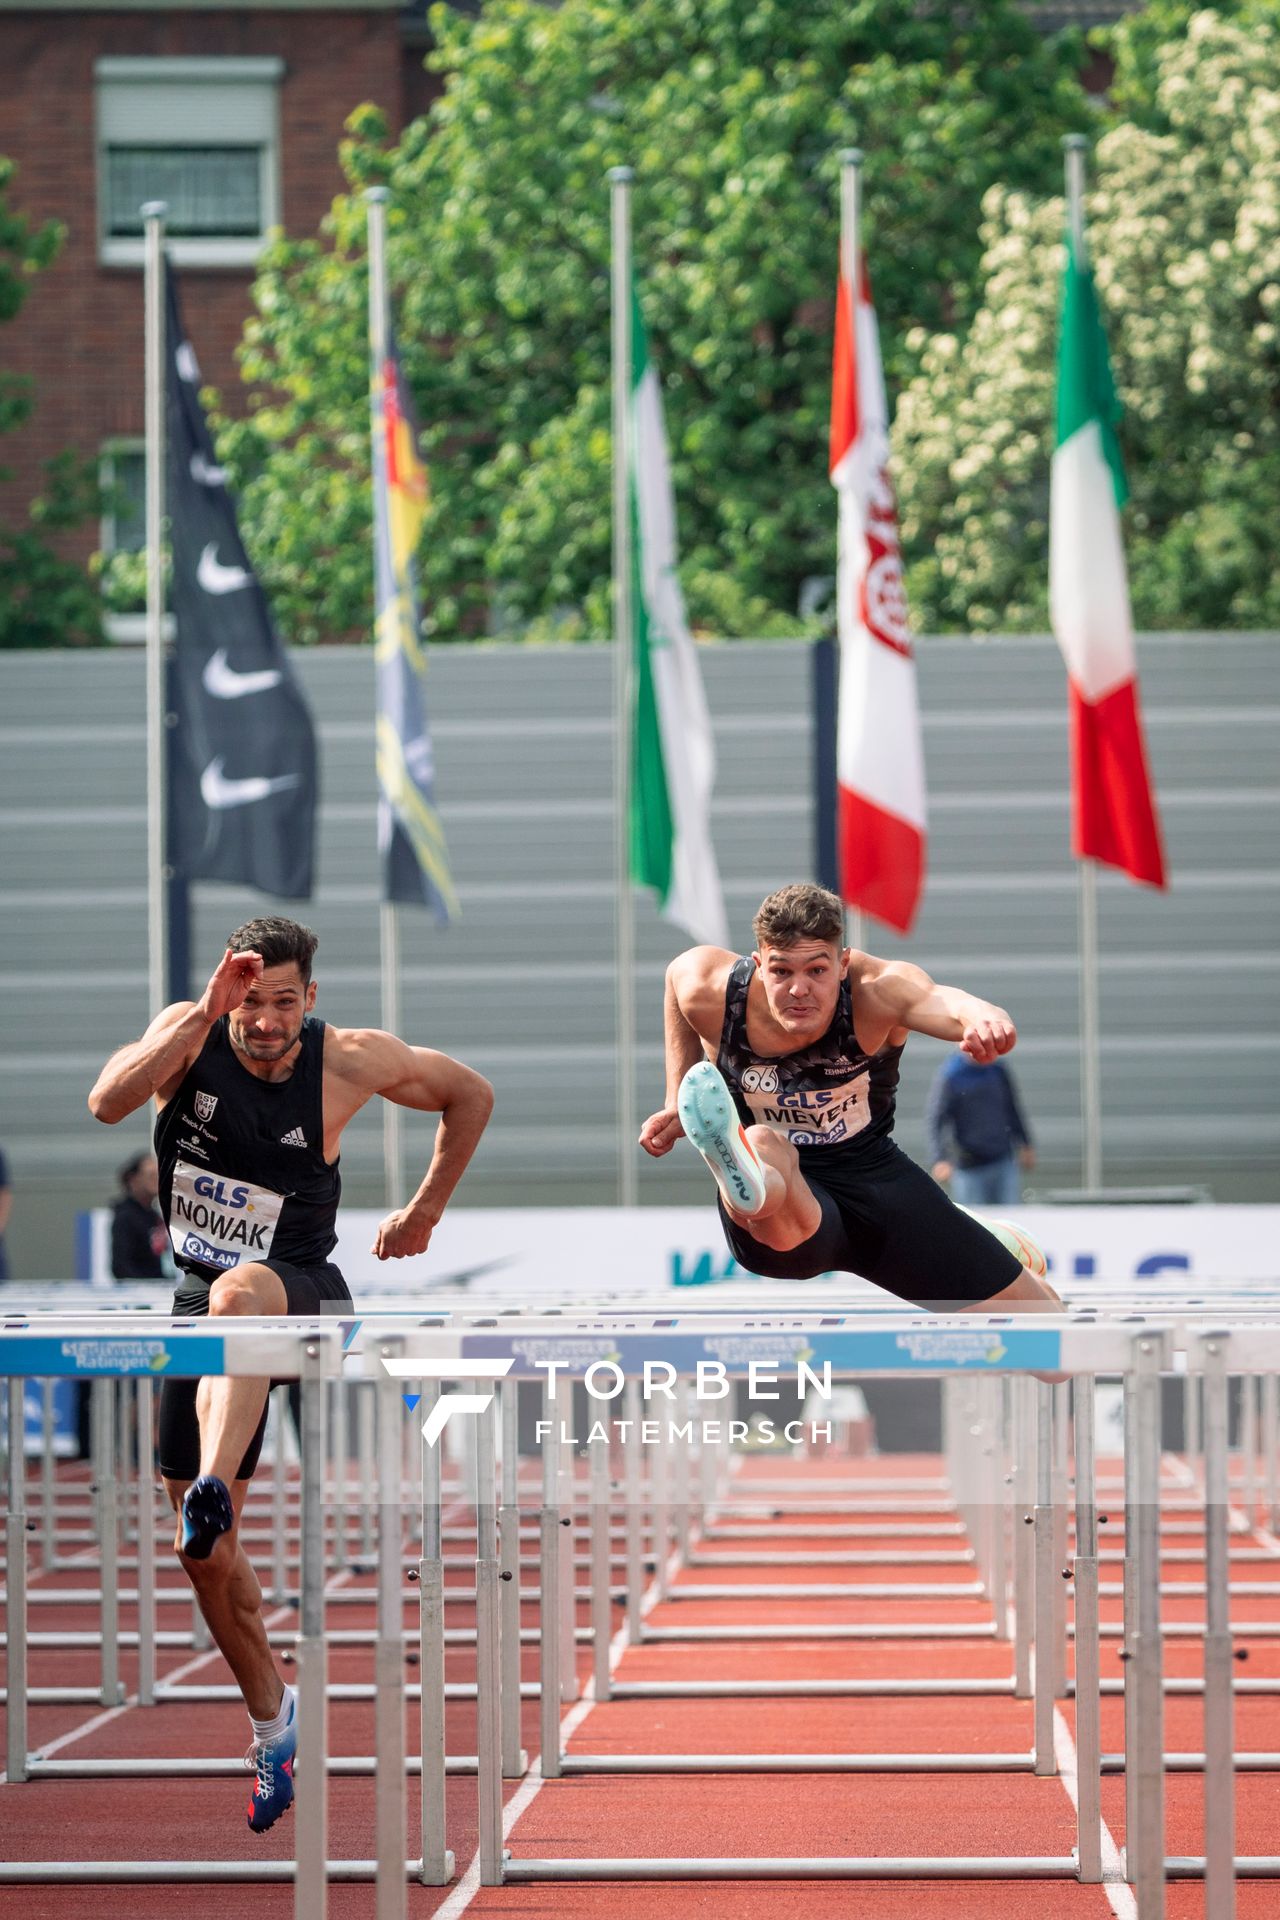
[153, 218]
[388, 914]
[1074, 147]
[851, 159]
[620, 179]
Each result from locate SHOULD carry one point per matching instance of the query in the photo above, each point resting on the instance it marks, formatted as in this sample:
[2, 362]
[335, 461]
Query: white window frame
[107, 455]
[210, 100]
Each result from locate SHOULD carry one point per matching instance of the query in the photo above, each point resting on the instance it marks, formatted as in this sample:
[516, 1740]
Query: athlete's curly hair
[800, 912]
[278, 941]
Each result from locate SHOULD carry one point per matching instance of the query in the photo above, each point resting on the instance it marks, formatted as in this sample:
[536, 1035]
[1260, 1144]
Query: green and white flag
[672, 753]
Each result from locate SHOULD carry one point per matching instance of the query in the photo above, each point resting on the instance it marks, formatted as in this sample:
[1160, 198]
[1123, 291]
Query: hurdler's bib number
[815, 1117]
[220, 1221]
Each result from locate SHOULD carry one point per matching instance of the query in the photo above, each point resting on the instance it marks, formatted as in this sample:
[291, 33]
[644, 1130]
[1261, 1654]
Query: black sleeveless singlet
[242, 1168]
[831, 1097]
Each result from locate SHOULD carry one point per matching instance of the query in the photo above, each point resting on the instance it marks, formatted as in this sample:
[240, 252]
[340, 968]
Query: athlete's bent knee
[248, 1289]
[772, 1148]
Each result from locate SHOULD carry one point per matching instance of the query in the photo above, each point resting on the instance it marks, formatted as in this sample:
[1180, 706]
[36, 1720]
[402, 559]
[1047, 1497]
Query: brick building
[231, 115]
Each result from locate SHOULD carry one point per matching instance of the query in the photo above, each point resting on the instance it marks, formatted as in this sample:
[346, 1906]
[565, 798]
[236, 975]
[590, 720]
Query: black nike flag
[242, 758]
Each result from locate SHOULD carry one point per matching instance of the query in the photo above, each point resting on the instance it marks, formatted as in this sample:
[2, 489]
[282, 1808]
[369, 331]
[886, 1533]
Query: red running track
[654, 1814]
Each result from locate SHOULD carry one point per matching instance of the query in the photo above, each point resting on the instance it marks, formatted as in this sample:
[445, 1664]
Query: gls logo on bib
[220, 1221]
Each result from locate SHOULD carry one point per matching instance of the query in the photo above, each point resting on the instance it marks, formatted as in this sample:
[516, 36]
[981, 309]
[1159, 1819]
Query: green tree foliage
[1184, 227]
[731, 115]
[44, 600]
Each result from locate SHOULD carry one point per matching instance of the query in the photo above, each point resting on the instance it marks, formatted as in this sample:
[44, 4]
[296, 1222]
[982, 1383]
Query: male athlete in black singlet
[253, 1096]
[782, 1070]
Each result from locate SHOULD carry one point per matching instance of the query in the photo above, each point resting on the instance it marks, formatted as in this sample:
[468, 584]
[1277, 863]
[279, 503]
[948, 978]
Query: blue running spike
[272, 1760]
[207, 1513]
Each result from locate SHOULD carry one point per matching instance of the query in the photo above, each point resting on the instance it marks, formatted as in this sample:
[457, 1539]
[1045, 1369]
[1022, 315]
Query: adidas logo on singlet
[294, 1138]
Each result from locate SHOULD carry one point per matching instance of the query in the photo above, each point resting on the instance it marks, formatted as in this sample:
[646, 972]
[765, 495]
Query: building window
[123, 472]
[202, 135]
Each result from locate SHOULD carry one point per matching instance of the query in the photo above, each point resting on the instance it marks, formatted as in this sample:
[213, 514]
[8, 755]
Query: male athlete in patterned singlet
[253, 1095]
[782, 1070]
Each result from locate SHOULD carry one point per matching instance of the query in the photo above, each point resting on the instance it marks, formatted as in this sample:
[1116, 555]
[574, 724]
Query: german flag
[415, 859]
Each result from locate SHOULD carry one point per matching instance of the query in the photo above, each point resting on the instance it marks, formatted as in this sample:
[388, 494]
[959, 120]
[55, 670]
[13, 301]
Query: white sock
[267, 1730]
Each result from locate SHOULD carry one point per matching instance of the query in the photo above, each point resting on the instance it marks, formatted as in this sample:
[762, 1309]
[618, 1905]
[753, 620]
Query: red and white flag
[879, 758]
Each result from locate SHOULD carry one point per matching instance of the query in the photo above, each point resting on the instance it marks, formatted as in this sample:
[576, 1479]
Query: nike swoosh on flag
[214, 577]
[224, 683]
[218, 792]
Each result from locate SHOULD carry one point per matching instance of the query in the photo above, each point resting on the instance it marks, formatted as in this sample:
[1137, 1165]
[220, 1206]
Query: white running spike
[711, 1122]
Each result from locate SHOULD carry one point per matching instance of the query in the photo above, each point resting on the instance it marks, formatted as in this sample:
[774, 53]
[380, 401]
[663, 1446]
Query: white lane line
[1120, 1895]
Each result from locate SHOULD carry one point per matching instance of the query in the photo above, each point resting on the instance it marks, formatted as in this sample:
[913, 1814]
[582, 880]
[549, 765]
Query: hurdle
[1084, 1350]
[240, 1350]
[1012, 1415]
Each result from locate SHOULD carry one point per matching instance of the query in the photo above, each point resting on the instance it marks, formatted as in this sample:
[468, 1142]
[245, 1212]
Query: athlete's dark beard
[242, 1044]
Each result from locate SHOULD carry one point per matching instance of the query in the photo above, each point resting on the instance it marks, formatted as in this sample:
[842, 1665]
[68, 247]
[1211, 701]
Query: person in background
[979, 1140]
[139, 1237]
[6, 1203]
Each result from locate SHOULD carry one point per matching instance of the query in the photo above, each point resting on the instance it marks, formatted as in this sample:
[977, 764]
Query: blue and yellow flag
[415, 859]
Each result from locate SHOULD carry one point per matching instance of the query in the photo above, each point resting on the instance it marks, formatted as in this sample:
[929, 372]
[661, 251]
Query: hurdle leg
[310, 1896]
[109, 1539]
[1248, 1449]
[1024, 1546]
[1219, 1715]
[549, 1609]
[680, 1475]
[1145, 1758]
[999, 1478]
[1191, 1440]
[1129, 1582]
[1045, 1598]
[146, 1544]
[1271, 1448]
[488, 1651]
[389, 1741]
[1088, 1693]
[16, 1578]
[661, 1517]
[634, 1511]
[437, 1861]
[514, 1758]
[365, 1464]
[48, 1480]
[279, 1529]
[601, 1609]
[567, 1615]
[338, 1499]
[1061, 1433]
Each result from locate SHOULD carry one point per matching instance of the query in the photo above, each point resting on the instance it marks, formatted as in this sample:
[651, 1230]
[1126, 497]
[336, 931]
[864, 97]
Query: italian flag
[672, 753]
[1113, 806]
[879, 758]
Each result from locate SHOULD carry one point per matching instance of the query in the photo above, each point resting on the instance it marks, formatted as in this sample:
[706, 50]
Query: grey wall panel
[523, 984]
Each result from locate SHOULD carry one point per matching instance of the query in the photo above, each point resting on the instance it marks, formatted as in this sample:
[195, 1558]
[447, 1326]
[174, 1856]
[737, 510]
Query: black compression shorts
[310, 1291]
[885, 1218]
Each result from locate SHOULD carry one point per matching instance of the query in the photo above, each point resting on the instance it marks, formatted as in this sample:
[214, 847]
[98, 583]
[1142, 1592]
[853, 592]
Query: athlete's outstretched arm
[909, 999]
[688, 1005]
[429, 1082]
[153, 1065]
